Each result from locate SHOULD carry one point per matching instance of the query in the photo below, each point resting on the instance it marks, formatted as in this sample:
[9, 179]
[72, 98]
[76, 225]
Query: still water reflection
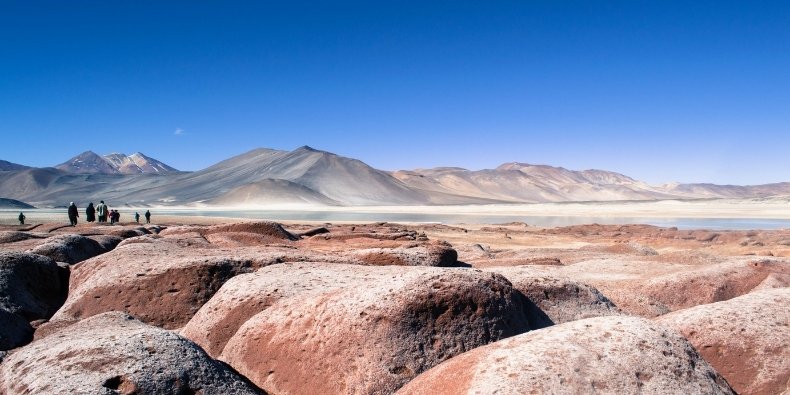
[544, 221]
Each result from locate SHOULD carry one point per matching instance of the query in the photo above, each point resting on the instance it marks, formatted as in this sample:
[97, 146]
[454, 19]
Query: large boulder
[554, 299]
[14, 236]
[160, 282]
[69, 248]
[654, 286]
[15, 331]
[707, 284]
[746, 339]
[614, 355]
[107, 242]
[113, 353]
[243, 234]
[32, 286]
[414, 254]
[338, 328]
[271, 230]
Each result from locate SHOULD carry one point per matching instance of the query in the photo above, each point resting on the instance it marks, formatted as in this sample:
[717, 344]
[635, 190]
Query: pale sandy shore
[770, 209]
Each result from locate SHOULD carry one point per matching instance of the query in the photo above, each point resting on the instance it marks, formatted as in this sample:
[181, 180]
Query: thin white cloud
[179, 132]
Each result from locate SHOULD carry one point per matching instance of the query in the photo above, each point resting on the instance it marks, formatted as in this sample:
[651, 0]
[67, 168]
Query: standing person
[21, 218]
[112, 216]
[136, 217]
[117, 216]
[101, 210]
[73, 214]
[90, 213]
[147, 217]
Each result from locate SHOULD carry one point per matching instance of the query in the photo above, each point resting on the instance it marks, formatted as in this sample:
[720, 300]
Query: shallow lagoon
[365, 215]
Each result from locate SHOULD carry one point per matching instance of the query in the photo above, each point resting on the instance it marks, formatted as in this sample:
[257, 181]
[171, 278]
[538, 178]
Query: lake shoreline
[719, 215]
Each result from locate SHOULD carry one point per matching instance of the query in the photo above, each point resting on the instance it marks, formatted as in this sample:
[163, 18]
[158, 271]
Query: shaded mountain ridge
[89, 162]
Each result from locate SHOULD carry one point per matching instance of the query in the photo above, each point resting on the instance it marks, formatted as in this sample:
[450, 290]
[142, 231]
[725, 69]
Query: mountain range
[309, 176]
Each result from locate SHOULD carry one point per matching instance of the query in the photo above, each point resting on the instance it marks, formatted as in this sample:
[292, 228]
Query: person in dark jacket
[90, 213]
[21, 218]
[73, 214]
[136, 217]
[147, 217]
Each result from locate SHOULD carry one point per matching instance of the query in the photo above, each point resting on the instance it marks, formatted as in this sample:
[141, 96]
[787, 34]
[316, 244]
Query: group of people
[99, 213]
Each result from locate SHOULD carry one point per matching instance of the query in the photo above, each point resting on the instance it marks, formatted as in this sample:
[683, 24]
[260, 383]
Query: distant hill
[89, 162]
[11, 203]
[8, 166]
[527, 183]
[307, 175]
[327, 176]
[272, 191]
[520, 182]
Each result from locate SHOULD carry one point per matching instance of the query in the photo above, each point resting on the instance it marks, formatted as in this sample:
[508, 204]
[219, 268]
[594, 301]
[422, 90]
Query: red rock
[114, 353]
[335, 328]
[746, 339]
[263, 228]
[410, 255]
[107, 242]
[13, 236]
[69, 248]
[649, 289]
[555, 300]
[614, 355]
[158, 281]
[32, 287]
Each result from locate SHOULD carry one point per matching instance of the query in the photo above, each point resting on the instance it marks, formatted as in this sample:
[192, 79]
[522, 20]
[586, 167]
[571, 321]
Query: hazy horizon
[661, 92]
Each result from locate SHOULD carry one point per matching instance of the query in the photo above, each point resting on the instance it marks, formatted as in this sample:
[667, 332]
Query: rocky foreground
[258, 307]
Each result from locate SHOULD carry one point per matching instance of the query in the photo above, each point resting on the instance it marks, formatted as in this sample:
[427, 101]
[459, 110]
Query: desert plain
[214, 305]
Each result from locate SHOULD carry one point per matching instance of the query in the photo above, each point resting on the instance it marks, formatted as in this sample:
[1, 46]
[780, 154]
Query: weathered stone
[160, 282]
[555, 300]
[746, 339]
[113, 353]
[15, 331]
[411, 255]
[32, 286]
[69, 248]
[338, 328]
[613, 355]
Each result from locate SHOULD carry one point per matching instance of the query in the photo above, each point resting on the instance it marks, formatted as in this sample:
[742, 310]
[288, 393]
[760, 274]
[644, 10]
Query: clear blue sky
[662, 91]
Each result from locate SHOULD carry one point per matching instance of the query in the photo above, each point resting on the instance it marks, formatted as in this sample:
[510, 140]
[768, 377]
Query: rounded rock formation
[113, 353]
[69, 248]
[746, 339]
[556, 300]
[438, 255]
[338, 328]
[614, 355]
[32, 287]
[15, 331]
[159, 282]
